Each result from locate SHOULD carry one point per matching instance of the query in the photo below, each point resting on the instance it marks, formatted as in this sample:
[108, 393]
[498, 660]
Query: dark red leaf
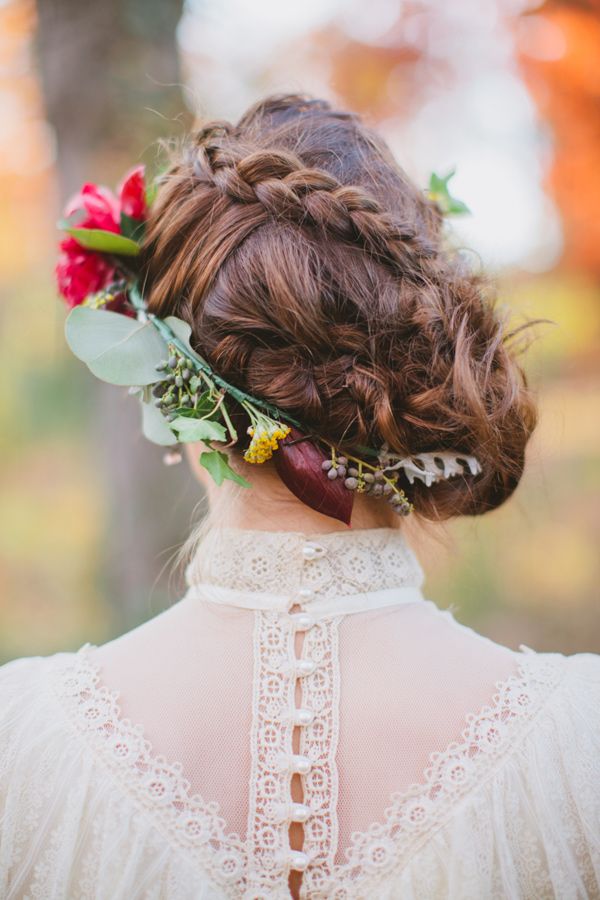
[299, 467]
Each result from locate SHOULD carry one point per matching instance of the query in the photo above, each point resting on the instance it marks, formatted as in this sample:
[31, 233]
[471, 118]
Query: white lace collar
[328, 574]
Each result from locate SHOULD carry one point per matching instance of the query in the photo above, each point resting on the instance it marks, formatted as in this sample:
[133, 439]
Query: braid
[309, 197]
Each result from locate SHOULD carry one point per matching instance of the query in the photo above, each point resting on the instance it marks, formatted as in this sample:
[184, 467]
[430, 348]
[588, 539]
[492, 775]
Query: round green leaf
[155, 427]
[116, 348]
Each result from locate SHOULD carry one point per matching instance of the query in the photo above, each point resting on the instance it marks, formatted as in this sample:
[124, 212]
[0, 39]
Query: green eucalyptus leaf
[100, 240]
[181, 330]
[116, 348]
[155, 427]
[217, 464]
[198, 429]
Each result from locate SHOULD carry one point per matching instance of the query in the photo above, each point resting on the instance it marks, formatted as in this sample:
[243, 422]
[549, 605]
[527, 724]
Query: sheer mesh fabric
[409, 675]
[186, 676]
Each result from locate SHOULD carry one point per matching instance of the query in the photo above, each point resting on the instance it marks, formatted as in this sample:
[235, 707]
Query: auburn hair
[315, 275]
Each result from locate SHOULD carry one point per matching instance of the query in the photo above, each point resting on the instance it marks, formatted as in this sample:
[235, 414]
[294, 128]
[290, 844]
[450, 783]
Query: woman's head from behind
[315, 275]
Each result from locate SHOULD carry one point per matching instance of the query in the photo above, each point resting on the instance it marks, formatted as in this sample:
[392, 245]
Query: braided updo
[314, 275]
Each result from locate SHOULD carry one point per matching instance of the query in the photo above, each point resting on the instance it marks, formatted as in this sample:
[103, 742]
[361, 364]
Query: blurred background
[508, 91]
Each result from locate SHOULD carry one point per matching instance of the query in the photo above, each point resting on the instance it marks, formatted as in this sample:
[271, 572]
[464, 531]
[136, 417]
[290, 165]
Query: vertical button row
[302, 621]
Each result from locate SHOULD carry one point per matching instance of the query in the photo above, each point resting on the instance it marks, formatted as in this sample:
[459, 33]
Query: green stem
[171, 338]
[230, 426]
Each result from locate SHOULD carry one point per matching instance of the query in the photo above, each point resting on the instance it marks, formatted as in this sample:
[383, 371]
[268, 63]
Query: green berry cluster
[374, 481]
[181, 388]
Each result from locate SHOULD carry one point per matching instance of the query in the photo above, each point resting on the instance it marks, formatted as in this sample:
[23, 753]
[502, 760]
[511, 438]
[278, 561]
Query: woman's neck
[270, 506]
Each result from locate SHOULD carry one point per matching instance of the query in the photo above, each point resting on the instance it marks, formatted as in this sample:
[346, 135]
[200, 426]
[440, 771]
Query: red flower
[81, 272]
[99, 205]
[132, 194]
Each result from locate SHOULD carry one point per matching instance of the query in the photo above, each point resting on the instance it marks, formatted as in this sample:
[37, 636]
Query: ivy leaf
[100, 240]
[204, 404]
[439, 193]
[198, 429]
[155, 427]
[217, 464]
[116, 348]
[299, 467]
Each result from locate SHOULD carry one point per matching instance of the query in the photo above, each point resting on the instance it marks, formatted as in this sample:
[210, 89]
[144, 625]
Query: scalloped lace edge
[191, 822]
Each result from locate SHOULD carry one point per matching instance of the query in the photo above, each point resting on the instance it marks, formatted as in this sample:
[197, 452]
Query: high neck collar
[335, 573]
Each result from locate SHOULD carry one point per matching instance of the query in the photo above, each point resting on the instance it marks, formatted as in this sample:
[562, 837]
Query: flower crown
[183, 399]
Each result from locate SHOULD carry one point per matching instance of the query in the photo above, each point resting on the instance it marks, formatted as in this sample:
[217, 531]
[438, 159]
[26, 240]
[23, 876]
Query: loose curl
[314, 274]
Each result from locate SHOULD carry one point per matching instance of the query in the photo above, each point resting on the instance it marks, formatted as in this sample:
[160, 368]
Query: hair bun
[314, 274]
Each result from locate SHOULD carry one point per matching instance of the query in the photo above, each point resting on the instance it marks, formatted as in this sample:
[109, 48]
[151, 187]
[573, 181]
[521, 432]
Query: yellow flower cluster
[264, 440]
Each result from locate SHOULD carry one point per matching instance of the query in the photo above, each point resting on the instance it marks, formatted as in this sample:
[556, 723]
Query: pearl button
[298, 860]
[300, 812]
[312, 551]
[306, 593]
[303, 716]
[301, 764]
[305, 666]
[302, 621]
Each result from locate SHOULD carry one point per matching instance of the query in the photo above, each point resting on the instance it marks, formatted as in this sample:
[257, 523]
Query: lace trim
[272, 727]
[195, 825]
[415, 814]
[159, 787]
[319, 740]
[353, 562]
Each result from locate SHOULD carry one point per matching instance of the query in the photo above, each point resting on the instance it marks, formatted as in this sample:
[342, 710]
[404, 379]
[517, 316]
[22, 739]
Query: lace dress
[303, 721]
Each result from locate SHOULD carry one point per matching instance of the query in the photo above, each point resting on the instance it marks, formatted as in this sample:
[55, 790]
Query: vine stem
[252, 405]
[230, 426]
[171, 338]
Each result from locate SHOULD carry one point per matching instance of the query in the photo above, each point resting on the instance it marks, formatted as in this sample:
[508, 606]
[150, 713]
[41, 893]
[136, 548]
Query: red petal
[80, 273]
[98, 206]
[299, 467]
[132, 194]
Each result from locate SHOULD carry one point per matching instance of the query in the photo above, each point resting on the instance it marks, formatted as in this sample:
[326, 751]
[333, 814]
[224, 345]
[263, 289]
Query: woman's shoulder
[22, 670]
[18, 674]
[23, 682]
[582, 690]
[566, 681]
[585, 665]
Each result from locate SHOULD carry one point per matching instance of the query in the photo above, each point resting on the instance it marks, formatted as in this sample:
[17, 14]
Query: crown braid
[290, 191]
